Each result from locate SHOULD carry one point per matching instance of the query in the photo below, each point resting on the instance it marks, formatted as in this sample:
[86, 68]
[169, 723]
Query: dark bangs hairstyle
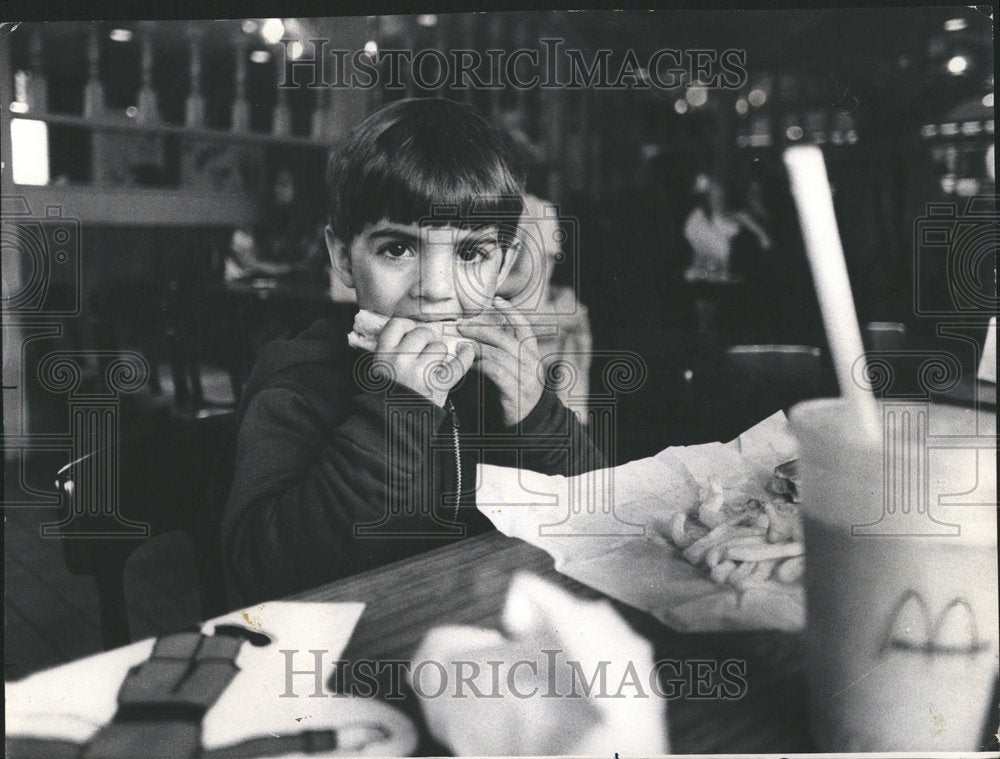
[423, 158]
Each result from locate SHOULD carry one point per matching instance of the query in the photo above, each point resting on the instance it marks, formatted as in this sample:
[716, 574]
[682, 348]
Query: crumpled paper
[547, 685]
[598, 527]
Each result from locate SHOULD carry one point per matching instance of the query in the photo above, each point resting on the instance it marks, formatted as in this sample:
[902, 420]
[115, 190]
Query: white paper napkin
[549, 686]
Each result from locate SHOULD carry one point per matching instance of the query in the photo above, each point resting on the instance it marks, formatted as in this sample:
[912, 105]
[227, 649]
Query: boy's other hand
[416, 358]
[508, 354]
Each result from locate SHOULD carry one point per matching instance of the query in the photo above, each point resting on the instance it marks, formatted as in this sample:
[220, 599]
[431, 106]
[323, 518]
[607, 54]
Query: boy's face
[422, 272]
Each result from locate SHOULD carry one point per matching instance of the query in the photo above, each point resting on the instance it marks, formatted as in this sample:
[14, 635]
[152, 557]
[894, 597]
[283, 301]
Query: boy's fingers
[489, 318]
[520, 323]
[466, 356]
[470, 346]
[434, 348]
[498, 362]
[451, 371]
[416, 340]
[392, 334]
[489, 334]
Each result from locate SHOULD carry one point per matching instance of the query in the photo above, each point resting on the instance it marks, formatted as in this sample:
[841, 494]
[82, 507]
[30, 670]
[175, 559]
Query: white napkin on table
[522, 695]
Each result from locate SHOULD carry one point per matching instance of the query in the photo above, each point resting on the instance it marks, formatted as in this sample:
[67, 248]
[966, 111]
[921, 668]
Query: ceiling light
[696, 96]
[427, 19]
[272, 31]
[120, 35]
[955, 24]
[958, 64]
[260, 56]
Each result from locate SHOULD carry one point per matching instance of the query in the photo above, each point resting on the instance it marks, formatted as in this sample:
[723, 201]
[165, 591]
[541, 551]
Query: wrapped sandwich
[368, 325]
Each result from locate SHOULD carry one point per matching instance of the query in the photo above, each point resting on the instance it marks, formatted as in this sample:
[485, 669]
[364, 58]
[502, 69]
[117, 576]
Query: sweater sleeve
[300, 488]
[554, 442]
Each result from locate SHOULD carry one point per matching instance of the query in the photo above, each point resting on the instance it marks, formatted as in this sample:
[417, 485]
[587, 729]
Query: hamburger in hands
[368, 325]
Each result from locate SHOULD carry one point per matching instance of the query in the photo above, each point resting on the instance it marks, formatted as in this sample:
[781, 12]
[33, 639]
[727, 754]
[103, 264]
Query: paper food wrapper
[598, 527]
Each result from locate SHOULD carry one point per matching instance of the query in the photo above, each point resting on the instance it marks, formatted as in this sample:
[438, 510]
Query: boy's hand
[508, 355]
[417, 359]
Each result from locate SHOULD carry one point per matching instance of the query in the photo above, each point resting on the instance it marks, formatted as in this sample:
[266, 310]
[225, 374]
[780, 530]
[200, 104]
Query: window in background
[29, 142]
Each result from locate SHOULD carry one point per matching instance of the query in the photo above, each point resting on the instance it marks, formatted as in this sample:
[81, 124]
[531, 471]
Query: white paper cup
[901, 576]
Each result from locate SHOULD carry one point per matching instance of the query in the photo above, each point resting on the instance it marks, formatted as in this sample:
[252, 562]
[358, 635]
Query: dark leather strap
[26, 747]
[161, 705]
[308, 742]
[162, 701]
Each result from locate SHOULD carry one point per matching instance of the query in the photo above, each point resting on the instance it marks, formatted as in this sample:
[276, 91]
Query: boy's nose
[437, 278]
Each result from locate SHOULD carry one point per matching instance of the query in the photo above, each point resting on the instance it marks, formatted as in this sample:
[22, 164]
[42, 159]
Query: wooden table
[466, 584]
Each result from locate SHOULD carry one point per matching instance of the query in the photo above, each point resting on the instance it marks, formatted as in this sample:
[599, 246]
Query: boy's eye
[396, 250]
[472, 252]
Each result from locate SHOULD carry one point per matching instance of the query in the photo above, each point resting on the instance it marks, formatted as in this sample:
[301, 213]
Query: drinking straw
[814, 202]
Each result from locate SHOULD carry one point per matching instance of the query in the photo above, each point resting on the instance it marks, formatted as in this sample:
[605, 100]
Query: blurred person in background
[756, 263]
[288, 244]
[711, 228]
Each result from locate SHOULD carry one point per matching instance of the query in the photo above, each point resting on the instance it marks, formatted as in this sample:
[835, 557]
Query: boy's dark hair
[413, 157]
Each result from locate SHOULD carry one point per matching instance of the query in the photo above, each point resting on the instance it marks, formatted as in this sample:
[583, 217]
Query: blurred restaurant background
[164, 196]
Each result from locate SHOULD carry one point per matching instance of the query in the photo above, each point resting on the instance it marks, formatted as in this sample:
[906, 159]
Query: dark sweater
[337, 472]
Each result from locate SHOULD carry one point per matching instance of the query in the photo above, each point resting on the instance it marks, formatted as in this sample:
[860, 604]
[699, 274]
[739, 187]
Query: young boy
[347, 460]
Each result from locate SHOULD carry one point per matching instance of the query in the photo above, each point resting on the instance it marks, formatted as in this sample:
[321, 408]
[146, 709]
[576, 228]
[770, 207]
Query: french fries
[721, 534]
[677, 532]
[742, 544]
[721, 571]
[710, 511]
[765, 552]
[720, 552]
[791, 570]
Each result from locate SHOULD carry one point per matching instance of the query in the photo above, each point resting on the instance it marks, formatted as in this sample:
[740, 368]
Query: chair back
[175, 479]
[772, 361]
[762, 379]
[885, 336]
[131, 314]
[211, 332]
